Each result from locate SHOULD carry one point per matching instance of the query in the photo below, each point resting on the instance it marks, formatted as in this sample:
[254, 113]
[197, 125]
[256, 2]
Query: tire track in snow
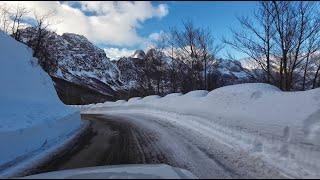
[205, 157]
[132, 139]
[176, 149]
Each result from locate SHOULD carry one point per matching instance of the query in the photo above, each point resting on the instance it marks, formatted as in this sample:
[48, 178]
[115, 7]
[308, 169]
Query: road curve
[117, 140]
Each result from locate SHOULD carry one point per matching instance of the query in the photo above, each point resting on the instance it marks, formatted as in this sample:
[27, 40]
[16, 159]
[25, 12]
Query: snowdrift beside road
[282, 128]
[31, 114]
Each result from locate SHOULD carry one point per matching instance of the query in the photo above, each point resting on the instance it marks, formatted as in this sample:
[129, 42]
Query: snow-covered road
[136, 138]
[159, 140]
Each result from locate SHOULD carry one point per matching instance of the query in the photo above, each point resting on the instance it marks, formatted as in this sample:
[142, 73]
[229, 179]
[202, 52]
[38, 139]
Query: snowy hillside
[31, 114]
[281, 128]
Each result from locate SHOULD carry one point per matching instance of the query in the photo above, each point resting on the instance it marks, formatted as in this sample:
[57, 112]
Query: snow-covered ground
[31, 114]
[258, 121]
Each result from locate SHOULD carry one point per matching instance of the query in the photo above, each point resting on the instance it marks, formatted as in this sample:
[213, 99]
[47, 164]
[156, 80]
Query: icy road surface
[123, 138]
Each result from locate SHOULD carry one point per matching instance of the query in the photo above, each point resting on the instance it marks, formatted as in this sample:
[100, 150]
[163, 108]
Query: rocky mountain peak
[139, 54]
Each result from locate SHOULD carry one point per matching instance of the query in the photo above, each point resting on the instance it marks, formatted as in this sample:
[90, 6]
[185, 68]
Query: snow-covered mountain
[84, 74]
[133, 68]
[227, 71]
[138, 54]
[230, 72]
[130, 70]
[71, 58]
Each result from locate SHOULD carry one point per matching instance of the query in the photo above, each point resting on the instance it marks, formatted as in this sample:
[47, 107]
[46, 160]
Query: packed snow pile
[31, 114]
[282, 128]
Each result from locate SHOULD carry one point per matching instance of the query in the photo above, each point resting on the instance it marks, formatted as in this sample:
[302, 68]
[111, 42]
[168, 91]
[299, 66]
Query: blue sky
[120, 27]
[218, 16]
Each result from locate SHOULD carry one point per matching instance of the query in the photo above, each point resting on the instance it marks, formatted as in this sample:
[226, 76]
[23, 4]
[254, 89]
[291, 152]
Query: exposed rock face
[73, 58]
[130, 70]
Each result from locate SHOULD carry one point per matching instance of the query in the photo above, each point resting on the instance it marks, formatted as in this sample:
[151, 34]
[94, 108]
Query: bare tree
[256, 41]
[295, 24]
[313, 47]
[5, 19]
[208, 50]
[41, 26]
[195, 45]
[159, 55]
[173, 67]
[187, 48]
[11, 19]
[283, 40]
[19, 13]
[316, 84]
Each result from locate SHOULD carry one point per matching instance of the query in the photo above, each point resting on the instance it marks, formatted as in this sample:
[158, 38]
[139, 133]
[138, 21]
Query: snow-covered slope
[31, 114]
[282, 128]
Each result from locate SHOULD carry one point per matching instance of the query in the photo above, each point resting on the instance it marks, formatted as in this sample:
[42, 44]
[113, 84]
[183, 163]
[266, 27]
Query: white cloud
[152, 40]
[114, 23]
[155, 36]
[117, 53]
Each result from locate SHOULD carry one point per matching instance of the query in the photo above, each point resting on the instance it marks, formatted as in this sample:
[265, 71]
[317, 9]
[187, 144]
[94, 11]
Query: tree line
[13, 21]
[283, 39]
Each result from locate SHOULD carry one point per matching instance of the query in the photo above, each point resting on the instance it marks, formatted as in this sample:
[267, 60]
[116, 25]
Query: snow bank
[134, 99]
[150, 98]
[283, 128]
[31, 114]
[173, 95]
[198, 93]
